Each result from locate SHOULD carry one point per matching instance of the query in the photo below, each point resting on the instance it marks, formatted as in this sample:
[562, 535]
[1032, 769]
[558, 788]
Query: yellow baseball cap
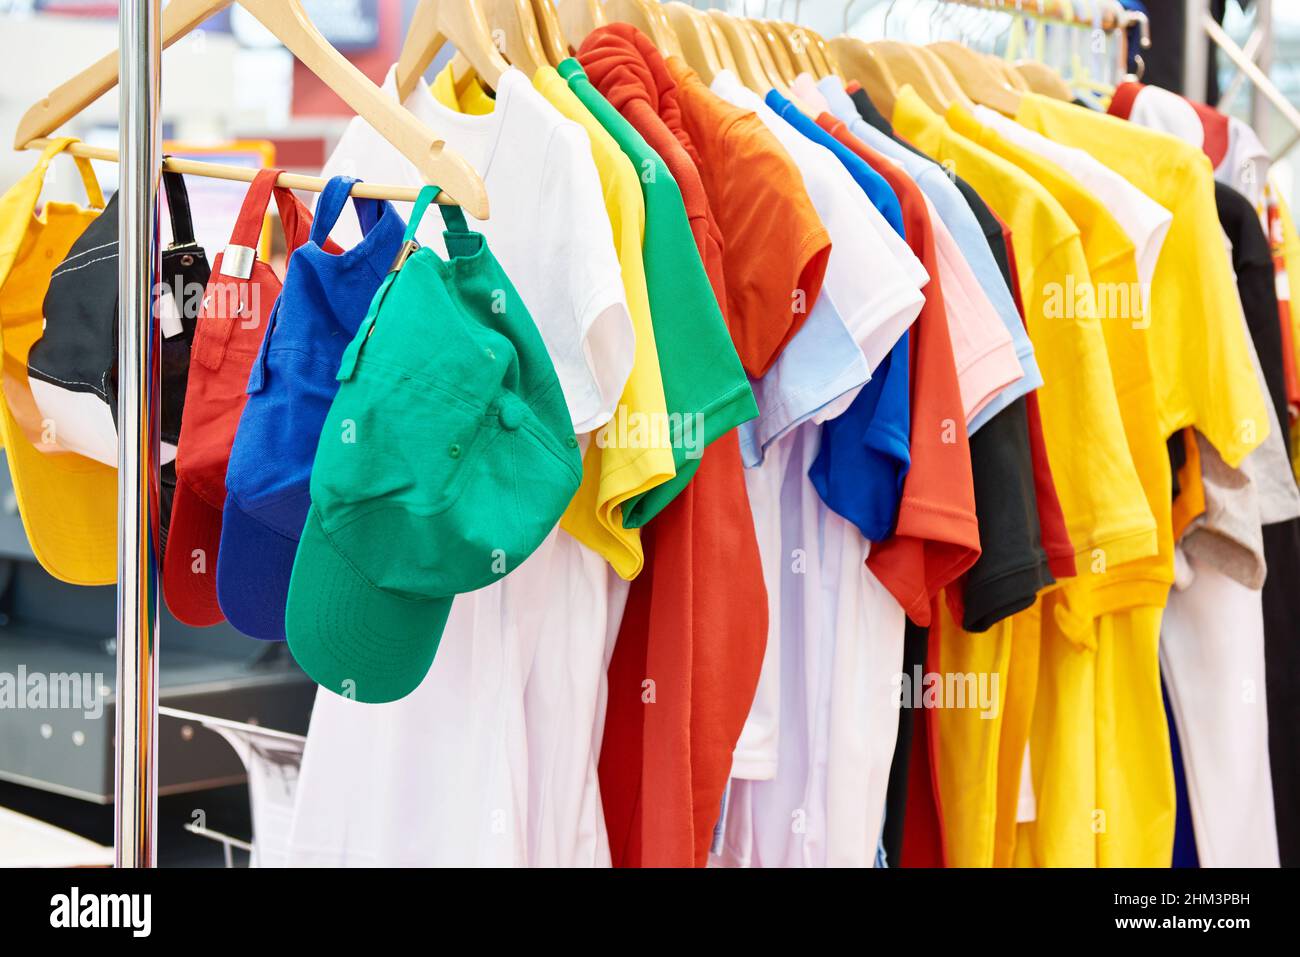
[68, 502]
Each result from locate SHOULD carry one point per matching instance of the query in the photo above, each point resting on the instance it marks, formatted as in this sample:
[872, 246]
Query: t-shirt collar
[473, 136]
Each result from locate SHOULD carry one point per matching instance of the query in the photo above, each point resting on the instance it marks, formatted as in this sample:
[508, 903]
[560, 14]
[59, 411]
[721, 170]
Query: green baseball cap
[447, 457]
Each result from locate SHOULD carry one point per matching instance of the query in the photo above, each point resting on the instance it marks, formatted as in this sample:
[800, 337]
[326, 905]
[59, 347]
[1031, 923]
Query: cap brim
[195, 527]
[253, 569]
[68, 505]
[352, 638]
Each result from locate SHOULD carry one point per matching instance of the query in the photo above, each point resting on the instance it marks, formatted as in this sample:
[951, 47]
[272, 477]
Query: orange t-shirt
[775, 248]
[695, 623]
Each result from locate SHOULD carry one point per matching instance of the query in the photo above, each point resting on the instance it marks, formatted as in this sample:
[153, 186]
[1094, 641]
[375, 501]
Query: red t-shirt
[696, 617]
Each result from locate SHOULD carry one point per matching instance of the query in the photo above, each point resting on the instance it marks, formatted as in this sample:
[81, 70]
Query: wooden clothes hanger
[580, 17]
[1006, 71]
[288, 21]
[907, 66]
[432, 25]
[698, 49]
[517, 26]
[552, 34]
[948, 84]
[819, 53]
[1042, 79]
[857, 61]
[645, 16]
[748, 67]
[725, 56]
[981, 83]
[796, 43]
[775, 80]
[771, 44]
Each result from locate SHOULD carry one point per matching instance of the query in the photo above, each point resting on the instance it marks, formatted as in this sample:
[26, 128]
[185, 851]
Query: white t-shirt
[811, 772]
[1143, 220]
[1212, 659]
[872, 278]
[491, 760]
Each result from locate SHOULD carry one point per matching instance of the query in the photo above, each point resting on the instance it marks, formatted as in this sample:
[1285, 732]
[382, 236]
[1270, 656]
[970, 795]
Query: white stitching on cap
[87, 252]
[46, 375]
[62, 272]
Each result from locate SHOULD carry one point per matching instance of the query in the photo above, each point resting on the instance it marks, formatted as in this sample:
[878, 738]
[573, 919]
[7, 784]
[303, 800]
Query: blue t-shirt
[864, 456]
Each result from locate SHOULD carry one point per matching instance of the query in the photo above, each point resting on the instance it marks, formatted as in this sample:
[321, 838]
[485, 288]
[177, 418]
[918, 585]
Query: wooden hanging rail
[246, 174]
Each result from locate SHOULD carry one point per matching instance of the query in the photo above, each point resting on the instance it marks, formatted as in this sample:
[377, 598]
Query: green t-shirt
[705, 388]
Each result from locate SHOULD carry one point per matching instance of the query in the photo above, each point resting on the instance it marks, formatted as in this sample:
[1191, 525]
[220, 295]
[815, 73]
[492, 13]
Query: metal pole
[136, 790]
[1196, 50]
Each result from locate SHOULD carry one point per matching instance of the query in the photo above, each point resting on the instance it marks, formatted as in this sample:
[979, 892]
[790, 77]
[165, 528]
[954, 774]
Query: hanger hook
[847, 7]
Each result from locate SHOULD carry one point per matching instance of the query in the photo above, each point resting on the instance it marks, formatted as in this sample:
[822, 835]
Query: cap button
[511, 416]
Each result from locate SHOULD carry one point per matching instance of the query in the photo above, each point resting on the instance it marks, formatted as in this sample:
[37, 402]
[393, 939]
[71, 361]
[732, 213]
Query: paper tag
[169, 316]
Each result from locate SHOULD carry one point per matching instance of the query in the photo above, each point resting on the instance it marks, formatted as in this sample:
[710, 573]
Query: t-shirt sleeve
[876, 300]
[982, 347]
[776, 245]
[597, 359]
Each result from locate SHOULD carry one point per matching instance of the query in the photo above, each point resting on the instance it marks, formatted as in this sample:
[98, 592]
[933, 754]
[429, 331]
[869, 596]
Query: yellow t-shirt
[1198, 348]
[611, 474]
[1102, 499]
[1117, 299]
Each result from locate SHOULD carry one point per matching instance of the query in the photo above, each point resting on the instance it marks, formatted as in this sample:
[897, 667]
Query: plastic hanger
[289, 23]
[432, 25]
[857, 61]
[578, 18]
[548, 27]
[696, 40]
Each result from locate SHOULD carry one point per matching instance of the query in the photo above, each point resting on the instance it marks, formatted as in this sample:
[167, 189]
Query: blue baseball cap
[292, 383]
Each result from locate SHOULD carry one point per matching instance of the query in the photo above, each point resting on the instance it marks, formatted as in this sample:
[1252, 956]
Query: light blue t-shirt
[820, 363]
[966, 232]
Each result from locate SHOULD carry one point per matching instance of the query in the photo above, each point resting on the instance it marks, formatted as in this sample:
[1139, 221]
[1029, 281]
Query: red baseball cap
[232, 322]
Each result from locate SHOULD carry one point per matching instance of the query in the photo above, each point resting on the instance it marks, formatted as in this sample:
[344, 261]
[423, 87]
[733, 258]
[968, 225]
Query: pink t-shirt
[981, 345]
